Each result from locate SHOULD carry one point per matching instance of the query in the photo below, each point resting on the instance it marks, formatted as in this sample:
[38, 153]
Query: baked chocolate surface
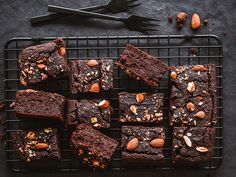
[194, 144]
[141, 107]
[91, 75]
[141, 144]
[142, 66]
[41, 62]
[39, 104]
[92, 147]
[36, 145]
[94, 112]
[193, 100]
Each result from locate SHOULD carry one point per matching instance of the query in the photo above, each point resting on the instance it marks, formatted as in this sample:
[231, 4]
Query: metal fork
[133, 22]
[113, 6]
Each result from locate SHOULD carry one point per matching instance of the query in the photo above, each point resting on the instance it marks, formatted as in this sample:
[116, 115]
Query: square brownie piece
[92, 147]
[40, 62]
[141, 107]
[142, 66]
[36, 145]
[193, 144]
[142, 144]
[94, 112]
[39, 104]
[193, 99]
[91, 76]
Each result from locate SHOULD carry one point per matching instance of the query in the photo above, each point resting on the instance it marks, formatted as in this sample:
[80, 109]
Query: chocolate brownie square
[193, 100]
[142, 144]
[40, 62]
[92, 147]
[36, 145]
[142, 66]
[141, 107]
[193, 144]
[39, 104]
[94, 112]
[91, 76]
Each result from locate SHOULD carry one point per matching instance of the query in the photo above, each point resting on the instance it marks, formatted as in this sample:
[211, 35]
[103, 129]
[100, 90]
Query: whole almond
[132, 144]
[201, 149]
[157, 142]
[41, 66]
[187, 141]
[92, 63]
[181, 16]
[191, 87]
[95, 163]
[200, 114]
[173, 75]
[190, 106]
[133, 109]
[104, 104]
[63, 51]
[195, 22]
[41, 146]
[140, 97]
[199, 68]
[31, 135]
[94, 88]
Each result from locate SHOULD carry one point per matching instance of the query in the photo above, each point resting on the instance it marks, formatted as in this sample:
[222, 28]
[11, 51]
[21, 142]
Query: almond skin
[94, 88]
[190, 106]
[199, 68]
[157, 143]
[132, 144]
[41, 146]
[181, 16]
[41, 66]
[173, 75]
[140, 97]
[31, 135]
[195, 22]
[104, 104]
[63, 51]
[191, 87]
[133, 109]
[92, 63]
[200, 114]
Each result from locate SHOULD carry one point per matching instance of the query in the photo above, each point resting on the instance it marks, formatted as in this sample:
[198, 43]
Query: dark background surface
[14, 22]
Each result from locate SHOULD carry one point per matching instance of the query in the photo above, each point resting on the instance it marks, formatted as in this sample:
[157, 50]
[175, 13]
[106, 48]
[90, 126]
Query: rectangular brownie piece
[92, 147]
[91, 75]
[35, 145]
[193, 144]
[142, 144]
[39, 104]
[40, 62]
[193, 100]
[142, 66]
[93, 112]
[141, 107]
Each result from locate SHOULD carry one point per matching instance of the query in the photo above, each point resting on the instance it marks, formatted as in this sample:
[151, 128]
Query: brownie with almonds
[36, 145]
[42, 62]
[193, 99]
[92, 147]
[91, 76]
[142, 66]
[141, 107]
[142, 144]
[193, 144]
[94, 112]
[39, 104]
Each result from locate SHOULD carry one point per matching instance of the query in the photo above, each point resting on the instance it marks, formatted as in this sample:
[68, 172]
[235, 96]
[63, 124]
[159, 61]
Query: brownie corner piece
[193, 144]
[36, 145]
[141, 144]
[92, 147]
[142, 66]
[40, 62]
[141, 107]
[91, 75]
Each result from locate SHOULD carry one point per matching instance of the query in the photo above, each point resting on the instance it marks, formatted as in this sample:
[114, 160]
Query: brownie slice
[91, 76]
[95, 112]
[41, 62]
[92, 147]
[141, 107]
[35, 145]
[142, 66]
[39, 104]
[193, 100]
[194, 144]
[142, 144]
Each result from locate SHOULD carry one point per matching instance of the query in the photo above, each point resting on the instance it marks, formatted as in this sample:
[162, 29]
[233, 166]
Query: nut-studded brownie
[41, 62]
[141, 107]
[142, 66]
[92, 147]
[142, 144]
[194, 144]
[91, 75]
[94, 112]
[39, 104]
[193, 95]
[37, 144]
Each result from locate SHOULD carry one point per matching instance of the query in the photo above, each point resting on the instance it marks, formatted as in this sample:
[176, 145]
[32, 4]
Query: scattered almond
[95, 163]
[96, 125]
[44, 76]
[94, 88]
[201, 149]
[190, 106]
[104, 104]
[31, 135]
[187, 141]
[22, 81]
[191, 87]
[140, 97]
[195, 22]
[92, 63]
[199, 98]
[200, 114]
[181, 17]
[157, 143]
[199, 68]
[63, 51]
[41, 66]
[41, 146]
[132, 144]
[133, 109]
[173, 75]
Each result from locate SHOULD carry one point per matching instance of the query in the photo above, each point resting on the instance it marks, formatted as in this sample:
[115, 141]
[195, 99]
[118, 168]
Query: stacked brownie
[193, 112]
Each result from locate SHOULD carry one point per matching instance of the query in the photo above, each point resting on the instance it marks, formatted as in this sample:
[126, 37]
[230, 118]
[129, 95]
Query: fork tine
[148, 19]
[149, 24]
[132, 0]
[134, 5]
[148, 29]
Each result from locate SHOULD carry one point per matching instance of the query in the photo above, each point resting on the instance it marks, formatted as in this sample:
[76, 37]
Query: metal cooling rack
[172, 49]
